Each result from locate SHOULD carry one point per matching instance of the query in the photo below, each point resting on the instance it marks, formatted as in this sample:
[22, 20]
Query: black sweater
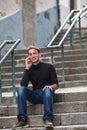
[40, 75]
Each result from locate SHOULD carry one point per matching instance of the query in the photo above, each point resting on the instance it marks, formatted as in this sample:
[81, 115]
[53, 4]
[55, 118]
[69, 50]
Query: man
[44, 81]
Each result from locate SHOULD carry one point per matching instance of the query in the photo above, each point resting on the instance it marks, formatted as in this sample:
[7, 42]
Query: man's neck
[36, 63]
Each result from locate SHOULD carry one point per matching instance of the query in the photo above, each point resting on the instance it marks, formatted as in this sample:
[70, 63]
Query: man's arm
[25, 78]
[54, 86]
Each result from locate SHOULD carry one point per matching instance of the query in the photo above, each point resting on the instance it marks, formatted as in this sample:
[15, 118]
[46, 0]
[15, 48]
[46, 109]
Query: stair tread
[59, 90]
[71, 90]
[65, 127]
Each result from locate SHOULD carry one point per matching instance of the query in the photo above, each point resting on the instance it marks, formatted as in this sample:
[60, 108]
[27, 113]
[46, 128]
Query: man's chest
[38, 75]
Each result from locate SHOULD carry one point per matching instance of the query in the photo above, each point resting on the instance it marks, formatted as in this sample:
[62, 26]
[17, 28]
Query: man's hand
[27, 63]
[52, 87]
[48, 86]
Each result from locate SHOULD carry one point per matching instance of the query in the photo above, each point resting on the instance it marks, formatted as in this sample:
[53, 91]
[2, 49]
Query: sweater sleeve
[25, 78]
[53, 75]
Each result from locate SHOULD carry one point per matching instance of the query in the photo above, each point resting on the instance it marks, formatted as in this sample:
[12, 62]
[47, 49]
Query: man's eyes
[32, 54]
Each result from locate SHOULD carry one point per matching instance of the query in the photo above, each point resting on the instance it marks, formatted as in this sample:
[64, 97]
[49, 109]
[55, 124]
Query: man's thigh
[34, 96]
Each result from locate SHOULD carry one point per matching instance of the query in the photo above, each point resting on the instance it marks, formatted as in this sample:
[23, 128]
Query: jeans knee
[20, 90]
[48, 92]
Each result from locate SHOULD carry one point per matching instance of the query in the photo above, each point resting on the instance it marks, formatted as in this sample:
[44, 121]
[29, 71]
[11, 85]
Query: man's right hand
[27, 63]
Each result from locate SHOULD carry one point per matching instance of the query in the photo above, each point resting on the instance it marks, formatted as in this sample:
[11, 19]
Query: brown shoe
[48, 123]
[21, 124]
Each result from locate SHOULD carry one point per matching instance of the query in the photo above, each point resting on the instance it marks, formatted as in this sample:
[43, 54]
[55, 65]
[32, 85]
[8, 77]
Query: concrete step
[76, 51]
[73, 77]
[68, 57]
[77, 63]
[57, 52]
[71, 127]
[77, 83]
[59, 120]
[59, 107]
[65, 127]
[65, 84]
[71, 94]
[71, 57]
[68, 72]
[9, 75]
[72, 70]
[21, 54]
[8, 82]
[7, 85]
[62, 95]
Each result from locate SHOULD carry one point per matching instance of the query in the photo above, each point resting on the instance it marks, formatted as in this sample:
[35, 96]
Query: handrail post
[52, 55]
[0, 83]
[10, 51]
[63, 73]
[71, 36]
[13, 78]
[80, 35]
[0, 88]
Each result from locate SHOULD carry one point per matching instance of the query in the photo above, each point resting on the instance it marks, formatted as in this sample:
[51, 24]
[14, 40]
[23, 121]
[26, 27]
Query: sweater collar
[36, 66]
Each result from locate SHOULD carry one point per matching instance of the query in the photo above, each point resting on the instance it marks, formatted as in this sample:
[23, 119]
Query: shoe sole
[49, 128]
[20, 127]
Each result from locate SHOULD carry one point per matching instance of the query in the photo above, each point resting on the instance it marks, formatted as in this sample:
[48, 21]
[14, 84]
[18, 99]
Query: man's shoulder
[47, 64]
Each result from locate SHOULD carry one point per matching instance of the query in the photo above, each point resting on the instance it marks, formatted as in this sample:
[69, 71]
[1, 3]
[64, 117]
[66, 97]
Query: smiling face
[34, 56]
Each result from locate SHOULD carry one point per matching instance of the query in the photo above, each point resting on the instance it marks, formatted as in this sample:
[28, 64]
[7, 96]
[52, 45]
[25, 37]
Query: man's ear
[39, 55]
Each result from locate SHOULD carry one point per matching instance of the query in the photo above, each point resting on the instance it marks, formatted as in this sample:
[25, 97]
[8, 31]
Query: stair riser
[70, 71]
[73, 84]
[67, 119]
[71, 58]
[70, 97]
[58, 108]
[71, 64]
[60, 97]
[66, 84]
[8, 82]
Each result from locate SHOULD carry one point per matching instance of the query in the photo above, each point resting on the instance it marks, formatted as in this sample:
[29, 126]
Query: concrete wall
[36, 25]
[29, 27]
[80, 5]
[11, 28]
[40, 20]
[46, 21]
[10, 6]
[64, 10]
[35, 22]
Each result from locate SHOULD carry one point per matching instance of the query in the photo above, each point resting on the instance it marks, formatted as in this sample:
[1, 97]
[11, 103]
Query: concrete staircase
[70, 108]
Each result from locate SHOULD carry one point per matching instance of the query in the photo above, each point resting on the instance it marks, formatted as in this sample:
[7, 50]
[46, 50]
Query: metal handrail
[10, 51]
[75, 20]
[77, 17]
[5, 42]
[82, 15]
[61, 27]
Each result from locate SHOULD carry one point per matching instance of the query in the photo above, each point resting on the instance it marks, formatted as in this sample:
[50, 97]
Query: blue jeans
[45, 97]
